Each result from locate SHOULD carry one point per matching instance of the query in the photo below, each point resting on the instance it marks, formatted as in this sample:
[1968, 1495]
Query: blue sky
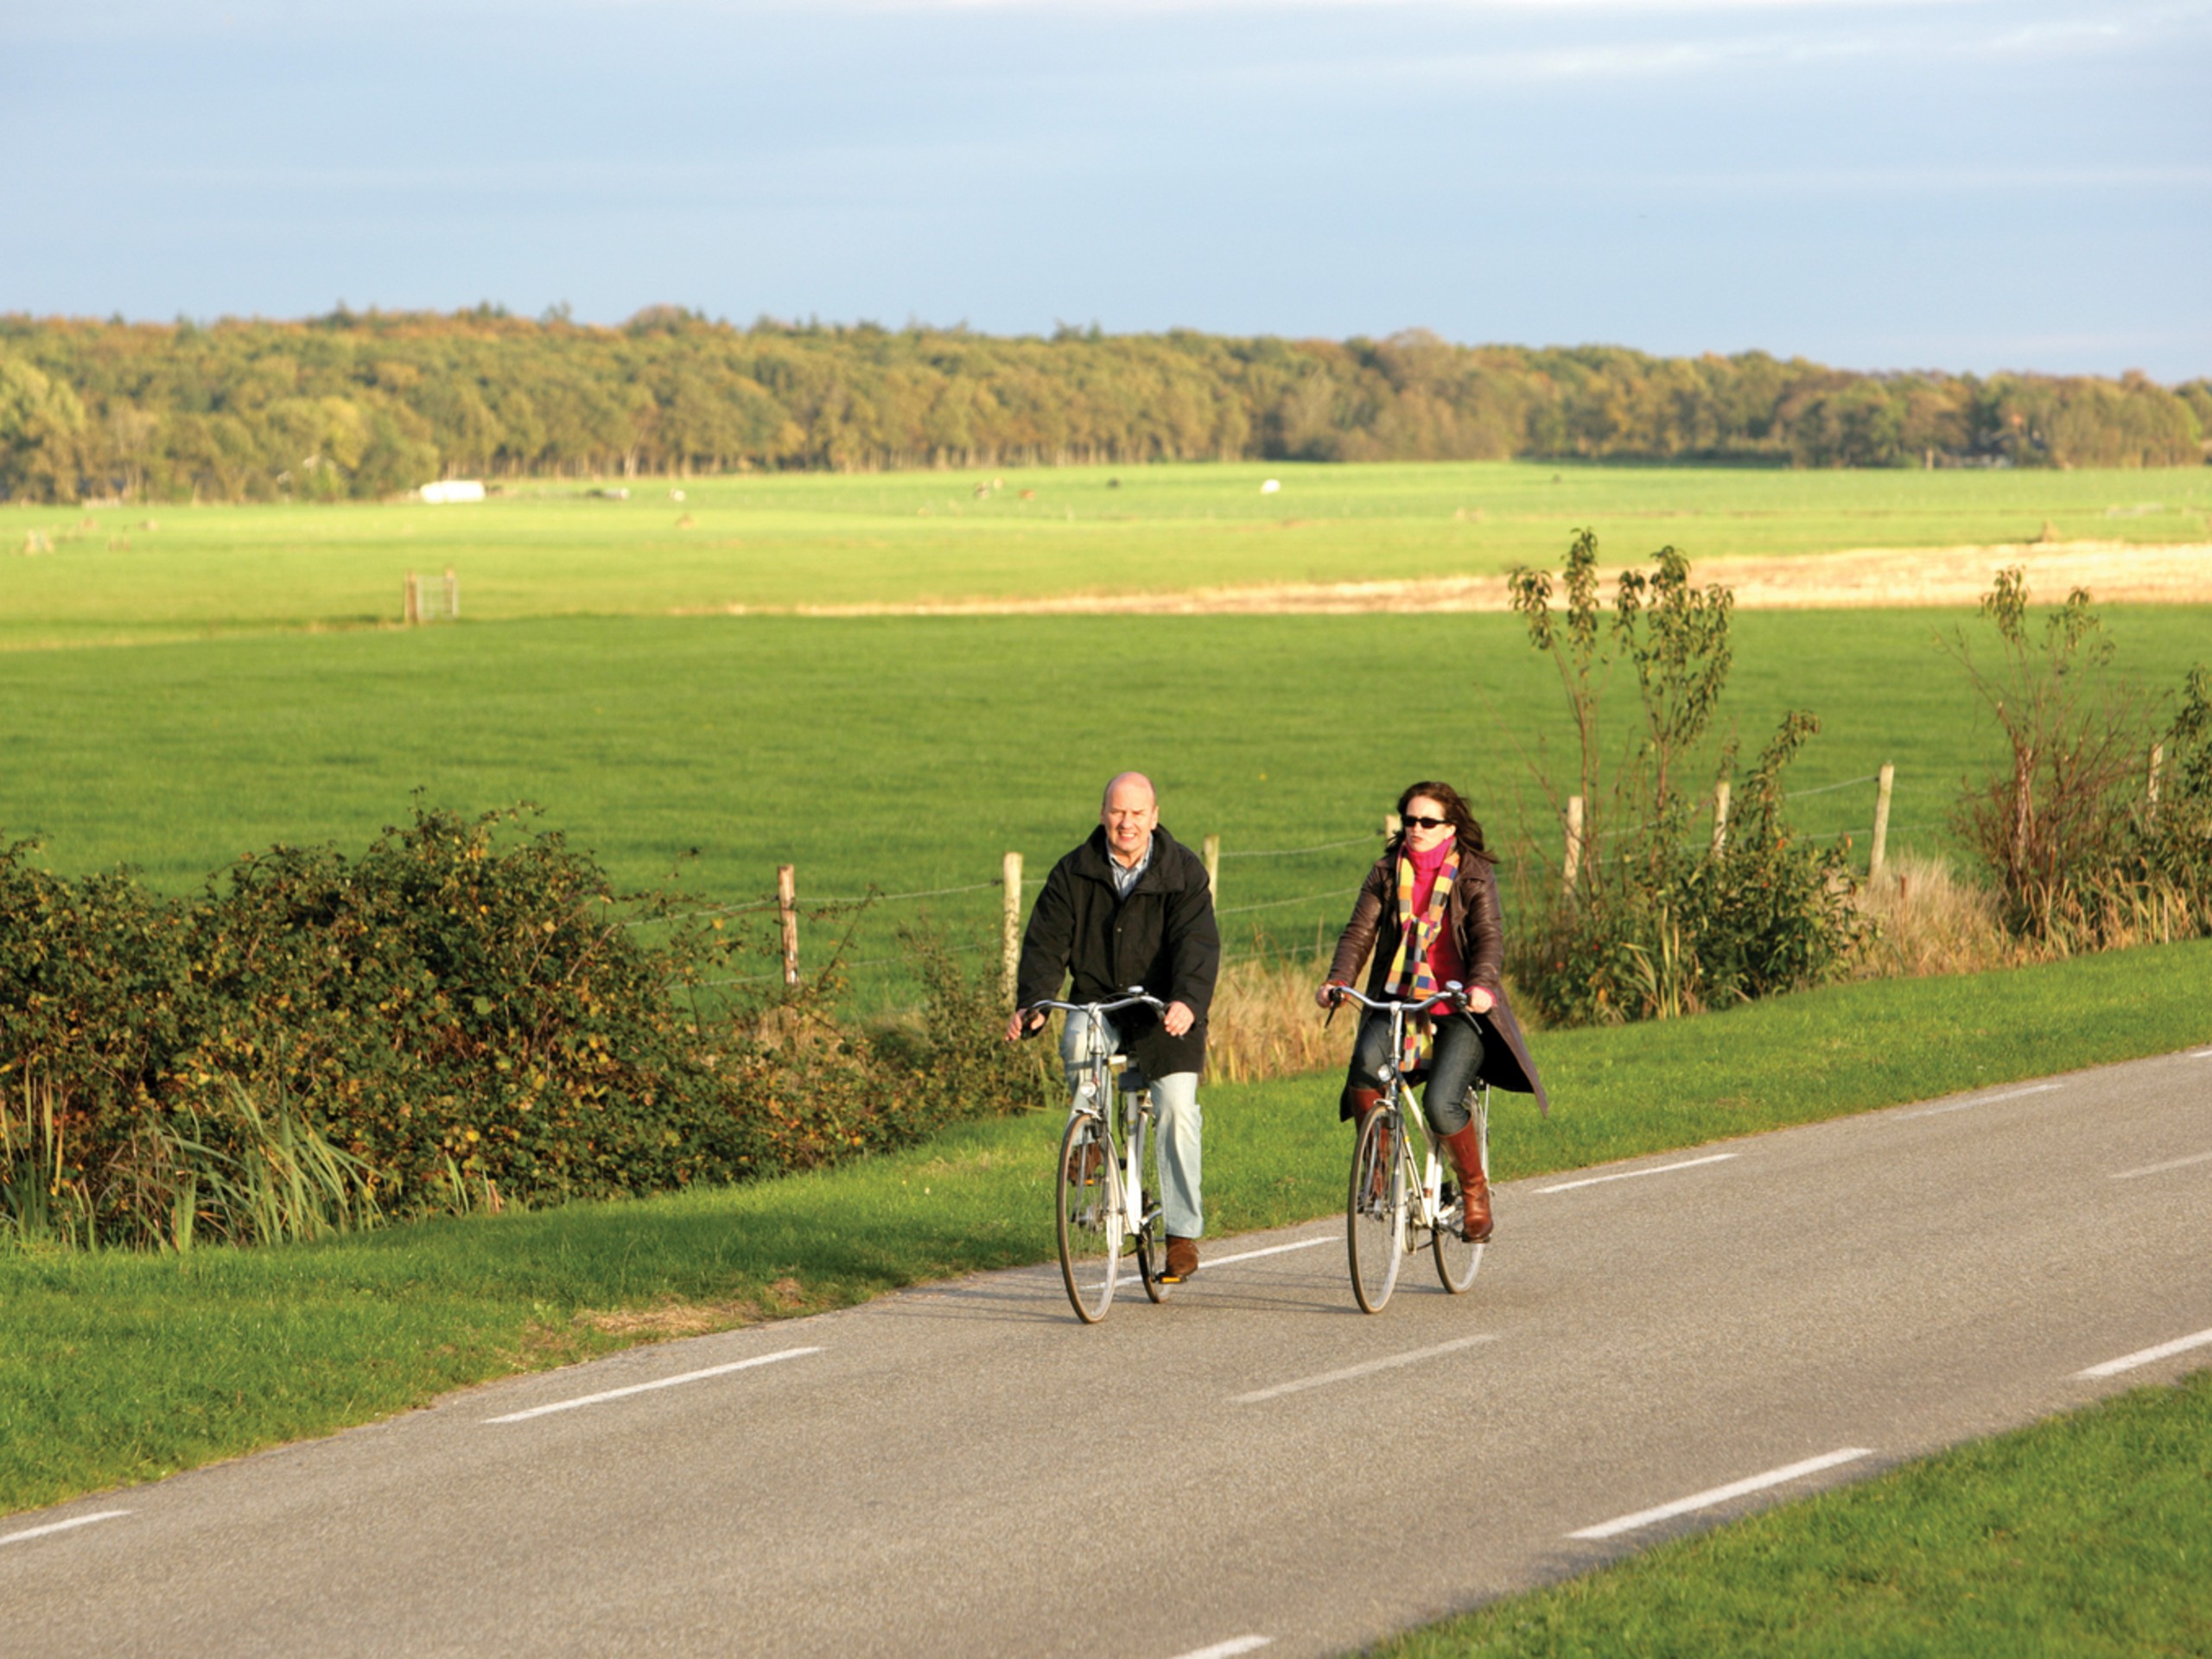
[1977, 184]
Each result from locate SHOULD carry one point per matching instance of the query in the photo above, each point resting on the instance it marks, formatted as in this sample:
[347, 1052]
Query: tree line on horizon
[354, 405]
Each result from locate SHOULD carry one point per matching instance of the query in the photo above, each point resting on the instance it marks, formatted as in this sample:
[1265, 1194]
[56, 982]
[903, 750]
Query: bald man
[1132, 906]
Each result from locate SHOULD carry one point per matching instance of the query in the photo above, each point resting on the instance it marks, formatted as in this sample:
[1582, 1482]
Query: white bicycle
[1101, 1203]
[1393, 1202]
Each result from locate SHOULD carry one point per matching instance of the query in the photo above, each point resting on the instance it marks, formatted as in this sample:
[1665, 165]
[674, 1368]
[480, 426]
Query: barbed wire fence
[1014, 884]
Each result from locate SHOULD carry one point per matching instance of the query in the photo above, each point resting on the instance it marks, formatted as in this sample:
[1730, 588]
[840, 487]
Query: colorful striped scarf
[1412, 975]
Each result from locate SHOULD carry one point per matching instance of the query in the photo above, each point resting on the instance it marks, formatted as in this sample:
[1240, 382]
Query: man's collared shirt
[1126, 878]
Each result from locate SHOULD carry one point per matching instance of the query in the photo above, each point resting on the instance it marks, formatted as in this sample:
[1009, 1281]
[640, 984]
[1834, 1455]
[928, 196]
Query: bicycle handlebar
[1453, 992]
[1130, 999]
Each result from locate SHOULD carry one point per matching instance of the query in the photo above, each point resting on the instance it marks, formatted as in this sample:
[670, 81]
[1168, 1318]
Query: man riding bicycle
[1132, 906]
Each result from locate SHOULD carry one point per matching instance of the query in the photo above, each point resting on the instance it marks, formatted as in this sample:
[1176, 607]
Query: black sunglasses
[1426, 823]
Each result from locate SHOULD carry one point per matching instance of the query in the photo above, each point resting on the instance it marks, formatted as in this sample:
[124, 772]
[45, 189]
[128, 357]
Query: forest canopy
[365, 405]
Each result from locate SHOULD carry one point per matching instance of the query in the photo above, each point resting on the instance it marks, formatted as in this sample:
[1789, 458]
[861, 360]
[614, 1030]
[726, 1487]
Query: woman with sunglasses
[1429, 912]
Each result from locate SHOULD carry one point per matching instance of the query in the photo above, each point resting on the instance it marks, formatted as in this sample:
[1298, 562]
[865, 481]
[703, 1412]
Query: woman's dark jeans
[1455, 1064]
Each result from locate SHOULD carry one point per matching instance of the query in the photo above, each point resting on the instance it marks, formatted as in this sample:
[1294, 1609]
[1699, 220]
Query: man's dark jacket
[1161, 936]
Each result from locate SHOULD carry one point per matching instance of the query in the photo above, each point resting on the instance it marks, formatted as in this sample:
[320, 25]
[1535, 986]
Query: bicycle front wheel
[1151, 1228]
[1375, 1211]
[1457, 1261]
[1088, 1218]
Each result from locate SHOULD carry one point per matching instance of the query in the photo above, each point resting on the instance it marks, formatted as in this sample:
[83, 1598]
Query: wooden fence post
[411, 601]
[1572, 866]
[1213, 867]
[453, 596]
[1010, 928]
[787, 909]
[1720, 818]
[2151, 784]
[1391, 825]
[1877, 851]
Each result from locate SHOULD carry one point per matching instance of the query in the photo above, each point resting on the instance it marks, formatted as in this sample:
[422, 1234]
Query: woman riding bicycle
[1429, 911]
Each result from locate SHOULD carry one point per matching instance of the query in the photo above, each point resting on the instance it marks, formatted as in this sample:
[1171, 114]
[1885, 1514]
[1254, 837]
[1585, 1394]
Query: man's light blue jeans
[1175, 1099]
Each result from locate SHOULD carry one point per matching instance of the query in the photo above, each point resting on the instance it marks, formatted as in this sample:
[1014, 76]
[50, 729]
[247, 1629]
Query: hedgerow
[466, 1014]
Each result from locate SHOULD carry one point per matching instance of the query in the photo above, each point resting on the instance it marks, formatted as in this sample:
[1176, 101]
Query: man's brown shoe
[1465, 1147]
[1182, 1260]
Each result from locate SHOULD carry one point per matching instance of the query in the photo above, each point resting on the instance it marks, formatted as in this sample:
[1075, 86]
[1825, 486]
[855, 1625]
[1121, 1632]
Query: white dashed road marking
[1272, 1249]
[1981, 1099]
[2148, 1356]
[1366, 1369]
[1630, 1174]
[647, 1388]
[2160, 1169]
[1721, 1494]
[1228, 1649]
[69, 1525]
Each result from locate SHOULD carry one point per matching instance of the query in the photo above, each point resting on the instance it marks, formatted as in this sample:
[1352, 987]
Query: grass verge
[122, 1368]
[2089, 1535]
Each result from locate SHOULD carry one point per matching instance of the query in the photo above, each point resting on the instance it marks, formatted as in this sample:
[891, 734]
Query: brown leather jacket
[1472, 913]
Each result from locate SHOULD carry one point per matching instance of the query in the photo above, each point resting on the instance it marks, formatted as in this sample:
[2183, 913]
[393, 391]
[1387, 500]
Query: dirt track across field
[2113, 572]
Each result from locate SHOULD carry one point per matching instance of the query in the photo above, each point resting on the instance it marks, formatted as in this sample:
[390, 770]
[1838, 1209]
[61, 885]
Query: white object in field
[675, 495]
[1271, 486]
[447, 490]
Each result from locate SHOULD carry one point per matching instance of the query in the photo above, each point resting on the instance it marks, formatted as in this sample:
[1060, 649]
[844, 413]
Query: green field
[911, 752]
[549, 550]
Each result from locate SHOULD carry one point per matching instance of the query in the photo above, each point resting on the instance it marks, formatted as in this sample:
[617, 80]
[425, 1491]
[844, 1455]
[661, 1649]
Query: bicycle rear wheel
[1457, 1261]
[1088, 1218]
[1375, 1211]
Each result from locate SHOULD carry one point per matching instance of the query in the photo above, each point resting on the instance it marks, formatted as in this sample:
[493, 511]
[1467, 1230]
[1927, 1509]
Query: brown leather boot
[1182, 1260]
[1465, 1147]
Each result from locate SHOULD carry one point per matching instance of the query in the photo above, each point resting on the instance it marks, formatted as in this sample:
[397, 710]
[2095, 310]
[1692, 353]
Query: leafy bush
[1644, 918]
[2071, 827]
[458, 1017]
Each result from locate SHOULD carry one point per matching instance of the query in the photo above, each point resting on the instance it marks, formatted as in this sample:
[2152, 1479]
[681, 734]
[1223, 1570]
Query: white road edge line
[73, 1522]
[1365, 1369]
[1980, 1100]
[2160, 1169]
[2129, 1362]
[1721, 1494]
[1231, 1649]
[647, 1388]
[1272, 1249]
[1630, 1174]
[2200, 1054]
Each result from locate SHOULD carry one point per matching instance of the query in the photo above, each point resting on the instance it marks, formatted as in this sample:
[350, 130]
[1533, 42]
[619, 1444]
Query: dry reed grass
[1263, 1023]
[1928, 920]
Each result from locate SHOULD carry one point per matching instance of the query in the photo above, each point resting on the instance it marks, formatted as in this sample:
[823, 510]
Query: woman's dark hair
[1470, 833]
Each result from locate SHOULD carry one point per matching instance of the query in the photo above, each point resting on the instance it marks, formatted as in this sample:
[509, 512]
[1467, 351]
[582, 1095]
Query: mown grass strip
[121, 1368]
[2086, 1535]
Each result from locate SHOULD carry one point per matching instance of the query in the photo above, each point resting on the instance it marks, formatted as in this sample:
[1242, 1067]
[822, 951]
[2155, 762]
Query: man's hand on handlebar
[1026, 1022]
[1177, 1019]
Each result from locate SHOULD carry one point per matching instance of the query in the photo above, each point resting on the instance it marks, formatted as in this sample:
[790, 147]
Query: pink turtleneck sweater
[1444, 952]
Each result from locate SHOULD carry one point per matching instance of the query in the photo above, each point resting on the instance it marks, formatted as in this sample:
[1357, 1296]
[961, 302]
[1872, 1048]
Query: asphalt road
[1649, 1347]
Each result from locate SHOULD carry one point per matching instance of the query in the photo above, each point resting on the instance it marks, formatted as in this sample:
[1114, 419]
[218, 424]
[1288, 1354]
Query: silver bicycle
[1102, 1205]
[1396, 1203]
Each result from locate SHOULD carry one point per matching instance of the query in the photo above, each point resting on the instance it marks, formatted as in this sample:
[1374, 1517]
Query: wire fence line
[1292, 852]
[1787, 795]
[1278, 904]
[1015, 885]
